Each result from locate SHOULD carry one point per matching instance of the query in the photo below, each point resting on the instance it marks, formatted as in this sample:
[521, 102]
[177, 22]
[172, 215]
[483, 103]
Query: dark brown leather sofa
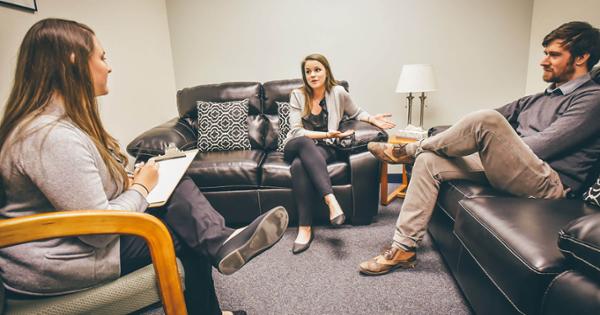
[243, 184]
[514, 255]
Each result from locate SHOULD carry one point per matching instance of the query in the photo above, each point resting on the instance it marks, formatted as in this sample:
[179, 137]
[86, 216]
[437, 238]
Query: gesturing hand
[381, 121]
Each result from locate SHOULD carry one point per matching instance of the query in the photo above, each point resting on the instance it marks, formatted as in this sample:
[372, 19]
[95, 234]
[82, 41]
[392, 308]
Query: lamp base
[412, 132]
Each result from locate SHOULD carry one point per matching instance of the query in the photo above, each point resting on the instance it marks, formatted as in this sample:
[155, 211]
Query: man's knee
[489, 118]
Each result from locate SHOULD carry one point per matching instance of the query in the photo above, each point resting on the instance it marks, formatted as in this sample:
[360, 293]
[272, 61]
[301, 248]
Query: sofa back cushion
[274, 92]
[225, 92]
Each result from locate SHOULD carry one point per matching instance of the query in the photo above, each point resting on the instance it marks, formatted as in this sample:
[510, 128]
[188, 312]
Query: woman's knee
[300, 142]
[296, 167]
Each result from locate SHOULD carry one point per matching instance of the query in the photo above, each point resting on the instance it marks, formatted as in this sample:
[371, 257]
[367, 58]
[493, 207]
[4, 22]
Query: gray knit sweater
[57, 167]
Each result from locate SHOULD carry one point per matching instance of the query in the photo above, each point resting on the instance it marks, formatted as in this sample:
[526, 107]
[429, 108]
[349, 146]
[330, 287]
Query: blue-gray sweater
[562, 127]
[56, 166]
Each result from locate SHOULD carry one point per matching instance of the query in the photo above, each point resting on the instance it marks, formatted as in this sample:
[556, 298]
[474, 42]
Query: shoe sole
[268, 233]
[406, 265]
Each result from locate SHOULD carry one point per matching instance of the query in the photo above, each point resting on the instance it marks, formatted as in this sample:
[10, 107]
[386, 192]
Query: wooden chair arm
[87, 222]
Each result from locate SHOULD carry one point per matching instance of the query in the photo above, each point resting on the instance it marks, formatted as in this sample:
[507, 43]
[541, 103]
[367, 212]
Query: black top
[317, 122]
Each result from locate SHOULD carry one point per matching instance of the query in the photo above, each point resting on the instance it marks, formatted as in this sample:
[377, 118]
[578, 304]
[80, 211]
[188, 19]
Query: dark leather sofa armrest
[437, 129]
[154, 141]
[579, 241]
[363, 134]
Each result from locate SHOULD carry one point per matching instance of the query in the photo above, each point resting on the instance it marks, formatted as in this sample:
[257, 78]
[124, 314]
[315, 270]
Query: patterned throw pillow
[223, 126]
[283, 110]
[592, 195]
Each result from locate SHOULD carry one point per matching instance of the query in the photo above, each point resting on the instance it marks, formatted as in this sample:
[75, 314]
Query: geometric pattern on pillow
[223, 126]
[592, 195]
[283, 110]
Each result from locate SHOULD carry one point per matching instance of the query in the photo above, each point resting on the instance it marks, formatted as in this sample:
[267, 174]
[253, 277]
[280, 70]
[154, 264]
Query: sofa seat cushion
[276, 172]
[451, 192]
[514, 241]
[229, 169]
[580, 242]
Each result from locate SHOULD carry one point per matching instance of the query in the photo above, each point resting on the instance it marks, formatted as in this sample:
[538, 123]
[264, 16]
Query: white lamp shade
[416, 78]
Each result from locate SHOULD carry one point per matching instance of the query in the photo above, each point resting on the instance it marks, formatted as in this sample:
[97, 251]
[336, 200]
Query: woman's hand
[146, 175]
[338, 134]
[381, 121]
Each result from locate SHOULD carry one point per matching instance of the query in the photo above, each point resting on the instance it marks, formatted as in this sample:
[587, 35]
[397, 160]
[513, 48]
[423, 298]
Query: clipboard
[172, 166]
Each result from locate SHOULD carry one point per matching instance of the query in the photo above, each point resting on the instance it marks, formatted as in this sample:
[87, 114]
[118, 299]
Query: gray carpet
[325, 278]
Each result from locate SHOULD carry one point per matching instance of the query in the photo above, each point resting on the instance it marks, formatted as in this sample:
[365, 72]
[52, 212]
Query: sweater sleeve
[350, 109]
[296, 126]
[511, 110]
[574, 127]
[61, 164]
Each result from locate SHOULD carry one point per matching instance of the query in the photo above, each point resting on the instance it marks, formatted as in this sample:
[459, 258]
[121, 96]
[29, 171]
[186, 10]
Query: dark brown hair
[578, 38]
[330, 81]
[53, 61]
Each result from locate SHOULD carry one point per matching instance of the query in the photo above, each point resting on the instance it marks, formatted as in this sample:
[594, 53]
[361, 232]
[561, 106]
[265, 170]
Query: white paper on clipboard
[170, 172]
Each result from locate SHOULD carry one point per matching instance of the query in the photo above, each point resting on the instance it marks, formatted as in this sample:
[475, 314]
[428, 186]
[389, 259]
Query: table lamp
[414, 79]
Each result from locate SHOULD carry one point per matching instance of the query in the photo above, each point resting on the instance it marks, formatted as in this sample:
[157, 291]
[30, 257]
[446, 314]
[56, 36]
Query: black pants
[310, 179]
[198, 231]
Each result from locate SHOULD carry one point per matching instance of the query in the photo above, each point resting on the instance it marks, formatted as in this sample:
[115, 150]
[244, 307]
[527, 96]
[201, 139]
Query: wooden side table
[399, 192]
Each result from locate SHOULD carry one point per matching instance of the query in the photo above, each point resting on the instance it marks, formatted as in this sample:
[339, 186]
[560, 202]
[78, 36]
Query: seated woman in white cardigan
[316, 110]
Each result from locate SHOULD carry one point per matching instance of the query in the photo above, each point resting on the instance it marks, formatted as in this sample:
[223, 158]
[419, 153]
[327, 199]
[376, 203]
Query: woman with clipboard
[56, 155]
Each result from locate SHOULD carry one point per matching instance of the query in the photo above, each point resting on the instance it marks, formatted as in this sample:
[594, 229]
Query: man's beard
[564, 76]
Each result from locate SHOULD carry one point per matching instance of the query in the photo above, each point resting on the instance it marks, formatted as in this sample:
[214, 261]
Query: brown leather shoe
[390, 153]
[391, 258]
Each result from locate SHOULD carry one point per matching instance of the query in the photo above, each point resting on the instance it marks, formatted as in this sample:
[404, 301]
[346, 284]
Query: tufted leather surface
[580, 242]
[233, 169]
[514, 242]
[276, 172]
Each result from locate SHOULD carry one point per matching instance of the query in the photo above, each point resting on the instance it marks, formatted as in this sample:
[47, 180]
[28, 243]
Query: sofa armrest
[363, 134]
[93, 222]
[364, 178]
[154, 141]
[579, 241]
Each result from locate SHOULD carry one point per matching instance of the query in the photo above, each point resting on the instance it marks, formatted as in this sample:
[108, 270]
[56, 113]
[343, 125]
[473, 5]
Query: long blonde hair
[53, 60]
[330, 81]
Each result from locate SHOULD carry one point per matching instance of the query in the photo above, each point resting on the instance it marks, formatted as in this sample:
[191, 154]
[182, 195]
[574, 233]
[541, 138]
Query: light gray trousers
[482, 147]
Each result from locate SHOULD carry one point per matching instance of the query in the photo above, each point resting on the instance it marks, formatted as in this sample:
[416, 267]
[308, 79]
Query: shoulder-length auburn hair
[53, 61]
[330, 81]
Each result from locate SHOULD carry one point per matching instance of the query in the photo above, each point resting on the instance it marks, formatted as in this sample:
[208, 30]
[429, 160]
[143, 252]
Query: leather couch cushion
[580, 242]
[279, 91]
[514, 242]
[225, 92]
[572, 293]
[276, 172]
[451, 192]
[230, 170]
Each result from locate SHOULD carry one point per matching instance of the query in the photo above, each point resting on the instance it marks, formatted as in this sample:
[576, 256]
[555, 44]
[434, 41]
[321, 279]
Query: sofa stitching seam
[505, 245]
[487, 274]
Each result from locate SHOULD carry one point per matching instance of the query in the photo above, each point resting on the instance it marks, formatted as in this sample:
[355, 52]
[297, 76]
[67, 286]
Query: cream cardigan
[338, 104]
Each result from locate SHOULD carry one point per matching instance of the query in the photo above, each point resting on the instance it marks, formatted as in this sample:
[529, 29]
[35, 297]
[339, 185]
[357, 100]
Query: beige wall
[548, 15]
[135, 36]
[479, 48]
